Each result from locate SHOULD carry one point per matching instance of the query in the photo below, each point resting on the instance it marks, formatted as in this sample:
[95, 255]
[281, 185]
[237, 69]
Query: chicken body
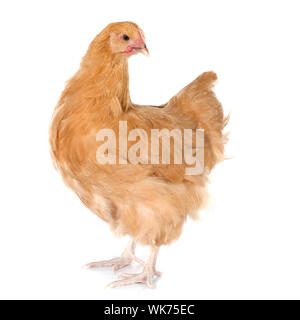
[148, 202]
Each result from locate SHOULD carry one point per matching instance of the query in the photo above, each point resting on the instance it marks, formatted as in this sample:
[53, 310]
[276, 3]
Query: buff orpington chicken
[149, 201]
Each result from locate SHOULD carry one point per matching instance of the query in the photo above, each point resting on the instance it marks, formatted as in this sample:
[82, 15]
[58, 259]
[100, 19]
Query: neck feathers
[106, 72]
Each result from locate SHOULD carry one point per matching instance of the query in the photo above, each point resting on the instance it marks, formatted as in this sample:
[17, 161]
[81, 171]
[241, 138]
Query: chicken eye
[125, 37]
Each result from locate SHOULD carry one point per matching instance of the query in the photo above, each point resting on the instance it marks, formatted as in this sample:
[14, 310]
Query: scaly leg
[118, 263]
[146, 276]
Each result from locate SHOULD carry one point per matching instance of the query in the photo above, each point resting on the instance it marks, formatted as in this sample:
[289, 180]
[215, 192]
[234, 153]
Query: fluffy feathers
[147, 202]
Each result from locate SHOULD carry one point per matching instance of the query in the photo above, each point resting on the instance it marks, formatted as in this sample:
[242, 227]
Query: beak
[145, 51]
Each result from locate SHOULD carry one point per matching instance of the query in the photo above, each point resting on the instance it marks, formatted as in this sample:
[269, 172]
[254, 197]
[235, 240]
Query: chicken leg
[146, 276]
[126, 258]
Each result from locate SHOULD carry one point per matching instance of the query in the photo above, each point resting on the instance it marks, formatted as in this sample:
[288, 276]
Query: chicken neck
[107, 76]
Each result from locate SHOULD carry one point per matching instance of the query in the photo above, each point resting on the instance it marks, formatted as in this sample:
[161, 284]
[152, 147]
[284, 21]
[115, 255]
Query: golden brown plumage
[145, 201]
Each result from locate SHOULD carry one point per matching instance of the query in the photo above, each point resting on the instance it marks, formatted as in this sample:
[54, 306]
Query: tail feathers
[204, 82]
[199, 101]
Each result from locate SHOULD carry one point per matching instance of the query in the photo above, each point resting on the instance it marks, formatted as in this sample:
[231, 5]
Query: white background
[246, 244]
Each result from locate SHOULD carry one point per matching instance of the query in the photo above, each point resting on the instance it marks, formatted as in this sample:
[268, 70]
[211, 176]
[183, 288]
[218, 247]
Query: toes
[157, 273]
[125, 282]
[120, 266]
[111, 285]
[138, 260]
[88, 265]
[126, 275]
[150, 285]
[92, 265]
[99, 264]
[149, 282]
[129, 279]
[116, 263]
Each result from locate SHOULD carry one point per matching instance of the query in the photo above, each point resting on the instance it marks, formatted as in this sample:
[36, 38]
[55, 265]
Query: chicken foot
[126, 258]
[146, 276]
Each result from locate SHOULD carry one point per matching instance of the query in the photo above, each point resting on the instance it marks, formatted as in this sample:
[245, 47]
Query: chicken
[147, 201]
